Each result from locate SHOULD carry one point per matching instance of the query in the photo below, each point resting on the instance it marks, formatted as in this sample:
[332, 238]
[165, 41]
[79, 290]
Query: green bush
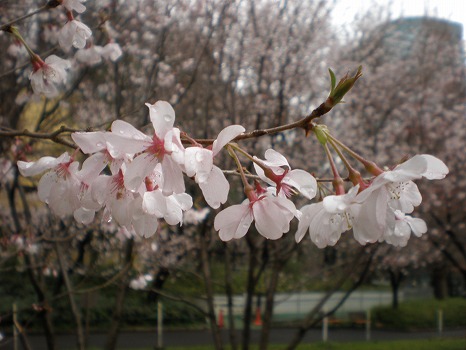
[422, 314]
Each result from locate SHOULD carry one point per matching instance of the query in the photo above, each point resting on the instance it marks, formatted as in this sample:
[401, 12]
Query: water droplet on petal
[122, 132]
[99, 144]
[167, 118]
[199, 157]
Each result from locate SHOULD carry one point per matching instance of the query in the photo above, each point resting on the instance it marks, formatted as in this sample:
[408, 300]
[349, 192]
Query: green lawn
[429, 344]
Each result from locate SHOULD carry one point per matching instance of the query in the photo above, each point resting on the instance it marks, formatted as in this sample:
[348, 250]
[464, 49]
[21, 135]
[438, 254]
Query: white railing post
[325, 328]
[368, 324]
[440, 322]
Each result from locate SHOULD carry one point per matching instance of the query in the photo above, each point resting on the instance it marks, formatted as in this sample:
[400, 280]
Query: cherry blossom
[90, 170]
[210, 178]
[89, 56]
[399, 229]
[286, 179]
[74, 33]
[140, 282]
[327, 220]
[75, 5]
[378, 212]
[58, 183]
[47, 75]
[272, 216]
[124, 206]
[155, 203]
[194, 216]
[93, 54]
[111, 51]
[164, 147]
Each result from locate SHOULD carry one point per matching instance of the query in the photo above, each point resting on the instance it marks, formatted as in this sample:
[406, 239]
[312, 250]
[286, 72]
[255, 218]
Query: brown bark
[229, 292]
[206, 272]
[112, 335]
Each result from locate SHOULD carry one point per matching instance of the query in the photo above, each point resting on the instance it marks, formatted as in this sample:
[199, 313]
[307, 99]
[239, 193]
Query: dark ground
[203, 337]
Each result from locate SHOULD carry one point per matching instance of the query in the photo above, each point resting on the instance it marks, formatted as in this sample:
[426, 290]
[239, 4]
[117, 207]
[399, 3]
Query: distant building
[405, 36]
[409, 37]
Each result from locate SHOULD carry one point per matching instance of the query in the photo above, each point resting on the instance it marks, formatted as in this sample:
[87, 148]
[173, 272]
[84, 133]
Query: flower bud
[321, 132]
[344, 85]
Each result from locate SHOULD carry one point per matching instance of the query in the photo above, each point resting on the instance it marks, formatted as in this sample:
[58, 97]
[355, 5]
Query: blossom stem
[247, 187]
[337, 180]
[370, 166]
[353, 174]
[265, 167]
[6, 26]
[185, 135]
[14, 31]
[304, 123]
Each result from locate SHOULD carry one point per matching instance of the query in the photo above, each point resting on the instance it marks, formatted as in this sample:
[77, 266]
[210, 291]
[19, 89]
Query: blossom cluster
[136, 178]
[49, 74]
[377, 213]
[139, 179]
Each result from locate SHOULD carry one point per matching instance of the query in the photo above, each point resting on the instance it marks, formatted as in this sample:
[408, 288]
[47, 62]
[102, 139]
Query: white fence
[297, 305]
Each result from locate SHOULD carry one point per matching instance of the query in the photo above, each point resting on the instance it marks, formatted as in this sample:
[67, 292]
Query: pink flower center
[63, 170]
[118, 185]
[287, 189]
[157, 148]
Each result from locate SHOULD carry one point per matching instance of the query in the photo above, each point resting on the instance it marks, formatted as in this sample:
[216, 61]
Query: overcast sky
[454, 10]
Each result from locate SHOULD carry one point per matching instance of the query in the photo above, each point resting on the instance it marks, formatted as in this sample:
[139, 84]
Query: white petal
[44, 163]
[324, 228]
[125, 129]
[410, 197]
[173, 214]
[154, 203]
[184, 200]
[46, 183]
[304, 222]
[90, 142]
[138, 169]
[287, 207]
[234, 221]
[162, 116]
[260, 172]
[215, 189]
[418, 226]
[145, 225]
[57, 62]
[302, 181]
[92, 167]
[275, 159]
[68, 189]
[410, 170]
[436, 169]
[121, 147]
[199, 162]
[121, 209]
[84, 216]
[176, 148]
[173, 181]
[100, 188]
[65, 36]
[336, 204]
[370, 218]
[270, 221]
[225, 136]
